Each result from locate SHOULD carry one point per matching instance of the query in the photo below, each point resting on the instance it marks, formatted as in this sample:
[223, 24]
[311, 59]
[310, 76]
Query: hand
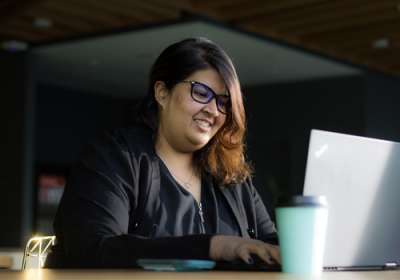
[229, 248]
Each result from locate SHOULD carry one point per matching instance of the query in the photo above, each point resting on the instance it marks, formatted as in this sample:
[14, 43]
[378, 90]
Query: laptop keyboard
[239, 265]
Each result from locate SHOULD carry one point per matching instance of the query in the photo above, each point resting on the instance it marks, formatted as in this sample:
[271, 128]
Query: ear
[161, 93]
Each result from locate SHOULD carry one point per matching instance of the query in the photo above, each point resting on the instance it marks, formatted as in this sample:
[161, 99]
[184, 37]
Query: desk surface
[45, 274]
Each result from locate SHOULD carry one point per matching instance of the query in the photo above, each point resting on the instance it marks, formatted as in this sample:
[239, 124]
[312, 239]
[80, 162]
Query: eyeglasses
[204, 94]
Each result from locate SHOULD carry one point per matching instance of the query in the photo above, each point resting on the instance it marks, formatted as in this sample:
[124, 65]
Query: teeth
[204, 124]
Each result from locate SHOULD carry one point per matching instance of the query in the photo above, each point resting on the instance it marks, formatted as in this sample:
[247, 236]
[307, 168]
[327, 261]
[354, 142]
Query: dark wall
[15, 149]
[280, 118]
[382, 107]
[67, 119]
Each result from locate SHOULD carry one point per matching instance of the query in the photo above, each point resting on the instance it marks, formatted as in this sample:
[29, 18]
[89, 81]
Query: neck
[180, 165]
[179, 162]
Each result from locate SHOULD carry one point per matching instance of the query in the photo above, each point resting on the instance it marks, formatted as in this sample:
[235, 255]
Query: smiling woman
[176, 185]
[184, 61]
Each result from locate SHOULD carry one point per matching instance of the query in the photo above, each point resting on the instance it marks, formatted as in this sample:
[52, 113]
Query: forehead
[209, 77]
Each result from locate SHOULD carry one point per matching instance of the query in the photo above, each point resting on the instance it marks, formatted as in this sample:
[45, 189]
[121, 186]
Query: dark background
[45, 126]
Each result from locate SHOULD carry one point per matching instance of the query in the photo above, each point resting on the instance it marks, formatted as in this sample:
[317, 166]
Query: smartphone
[175, 264]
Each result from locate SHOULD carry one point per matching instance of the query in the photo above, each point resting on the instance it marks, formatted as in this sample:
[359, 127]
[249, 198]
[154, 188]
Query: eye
[223, 100]
[201, 92]
[223, 103]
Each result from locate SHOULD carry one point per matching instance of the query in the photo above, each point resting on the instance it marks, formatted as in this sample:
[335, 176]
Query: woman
[174, 186]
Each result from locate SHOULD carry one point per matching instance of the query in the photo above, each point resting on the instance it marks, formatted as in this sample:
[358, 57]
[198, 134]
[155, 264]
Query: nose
[211, 108]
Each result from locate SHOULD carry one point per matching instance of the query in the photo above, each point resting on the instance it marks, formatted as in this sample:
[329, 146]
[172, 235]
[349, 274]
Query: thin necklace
[187, 184]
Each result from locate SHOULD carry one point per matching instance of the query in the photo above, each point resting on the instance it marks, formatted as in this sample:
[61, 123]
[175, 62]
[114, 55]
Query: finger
[259, 250]
[274, 253]
[265, 255]
[244, 252]
[268, 253]
[245, 256]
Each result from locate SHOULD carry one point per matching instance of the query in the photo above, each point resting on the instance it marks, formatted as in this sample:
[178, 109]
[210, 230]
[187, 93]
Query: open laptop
[361, 179]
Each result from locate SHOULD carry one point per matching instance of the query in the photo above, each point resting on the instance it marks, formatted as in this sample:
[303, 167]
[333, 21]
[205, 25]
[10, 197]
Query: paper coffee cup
[302, 223]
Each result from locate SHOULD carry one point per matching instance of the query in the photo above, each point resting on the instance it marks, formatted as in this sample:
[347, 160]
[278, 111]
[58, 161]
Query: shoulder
[131, 139]
[119, 145]
[244, 186]
[137, 137]
[242, 191]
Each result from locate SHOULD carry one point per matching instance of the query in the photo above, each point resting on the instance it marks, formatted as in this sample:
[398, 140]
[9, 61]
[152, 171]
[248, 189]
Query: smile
[203, 123]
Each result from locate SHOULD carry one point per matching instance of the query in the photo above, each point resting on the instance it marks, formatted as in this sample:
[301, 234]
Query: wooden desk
[5, 262]
[46, 274]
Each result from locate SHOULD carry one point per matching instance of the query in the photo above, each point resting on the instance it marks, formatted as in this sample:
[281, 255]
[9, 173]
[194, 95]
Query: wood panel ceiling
[363, 32]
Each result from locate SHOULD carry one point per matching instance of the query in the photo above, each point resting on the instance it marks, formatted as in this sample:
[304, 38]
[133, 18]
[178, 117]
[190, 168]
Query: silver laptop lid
[361, 179]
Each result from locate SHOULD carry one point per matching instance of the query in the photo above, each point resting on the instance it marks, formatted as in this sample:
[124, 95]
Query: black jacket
[119, 205]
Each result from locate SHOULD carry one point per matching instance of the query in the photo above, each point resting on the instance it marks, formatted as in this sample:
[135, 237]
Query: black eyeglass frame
[214, 95]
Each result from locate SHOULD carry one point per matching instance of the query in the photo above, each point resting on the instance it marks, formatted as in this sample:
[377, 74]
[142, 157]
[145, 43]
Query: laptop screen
[361, 179]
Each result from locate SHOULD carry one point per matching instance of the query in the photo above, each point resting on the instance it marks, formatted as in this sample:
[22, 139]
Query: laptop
[360, 177]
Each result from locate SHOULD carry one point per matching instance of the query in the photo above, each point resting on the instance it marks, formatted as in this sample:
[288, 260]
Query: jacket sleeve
[265, 228]
[94, 215]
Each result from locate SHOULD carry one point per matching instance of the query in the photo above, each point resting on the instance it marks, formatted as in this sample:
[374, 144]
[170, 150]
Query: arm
[233, 247]
[94, 215]
[266, 230]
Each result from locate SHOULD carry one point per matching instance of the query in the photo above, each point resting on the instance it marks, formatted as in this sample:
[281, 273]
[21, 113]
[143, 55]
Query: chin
[199, 141]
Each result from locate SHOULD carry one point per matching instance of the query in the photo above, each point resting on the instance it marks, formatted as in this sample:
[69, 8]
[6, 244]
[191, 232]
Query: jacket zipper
[202, 228]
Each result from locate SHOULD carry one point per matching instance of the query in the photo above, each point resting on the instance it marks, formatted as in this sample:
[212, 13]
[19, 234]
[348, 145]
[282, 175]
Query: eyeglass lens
[204, 94]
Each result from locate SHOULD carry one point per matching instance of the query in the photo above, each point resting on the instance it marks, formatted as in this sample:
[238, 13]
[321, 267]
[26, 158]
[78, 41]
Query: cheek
[184, 102]
[182, 112]
[190, 107]
[220, 121]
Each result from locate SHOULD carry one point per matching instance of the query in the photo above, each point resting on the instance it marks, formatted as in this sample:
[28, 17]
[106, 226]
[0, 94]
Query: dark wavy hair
[224, 155]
